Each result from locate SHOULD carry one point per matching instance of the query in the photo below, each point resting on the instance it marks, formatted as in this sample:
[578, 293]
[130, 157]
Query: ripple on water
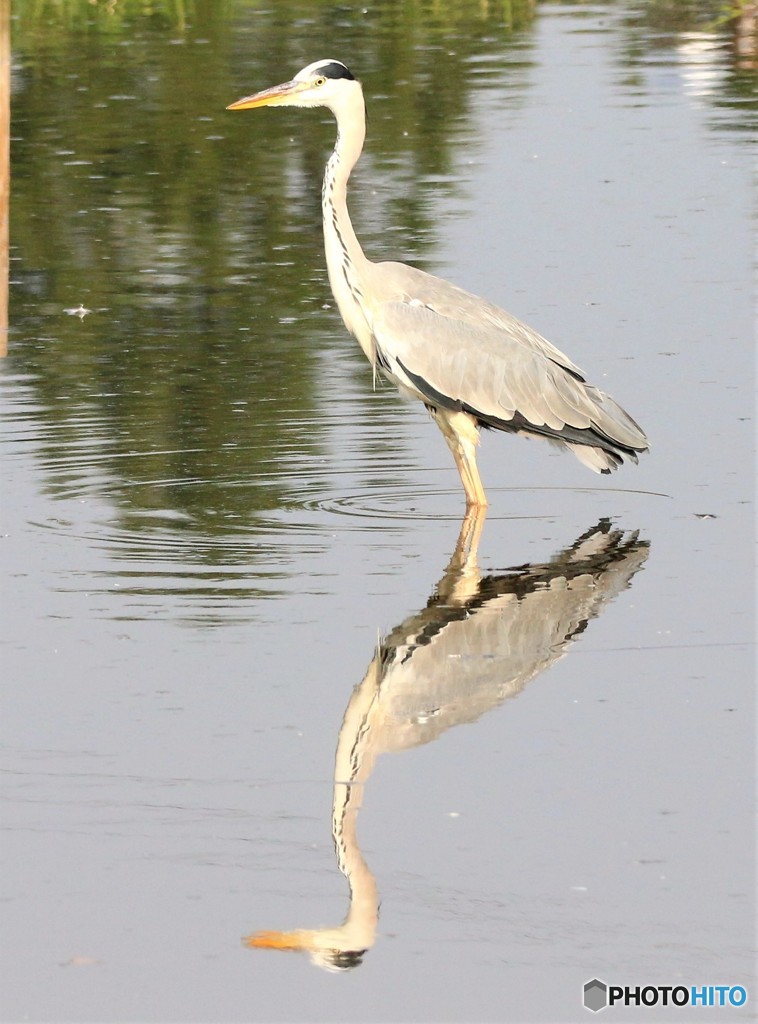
[203, 532]
[435, 503]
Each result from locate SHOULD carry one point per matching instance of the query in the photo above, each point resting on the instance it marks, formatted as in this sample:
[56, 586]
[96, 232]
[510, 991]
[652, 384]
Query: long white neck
[345, 260]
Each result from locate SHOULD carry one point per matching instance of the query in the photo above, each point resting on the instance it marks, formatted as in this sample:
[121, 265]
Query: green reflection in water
[194, 236]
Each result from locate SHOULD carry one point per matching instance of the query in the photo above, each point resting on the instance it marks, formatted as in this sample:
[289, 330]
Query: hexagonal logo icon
[595, 995]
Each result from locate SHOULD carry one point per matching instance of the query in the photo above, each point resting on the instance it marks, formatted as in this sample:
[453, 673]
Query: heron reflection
[478, 642]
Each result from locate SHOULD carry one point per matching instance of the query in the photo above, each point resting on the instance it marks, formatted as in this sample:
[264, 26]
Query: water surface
[213, 526]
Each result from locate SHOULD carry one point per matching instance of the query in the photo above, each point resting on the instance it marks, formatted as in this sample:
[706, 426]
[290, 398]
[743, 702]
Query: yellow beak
[277, 94]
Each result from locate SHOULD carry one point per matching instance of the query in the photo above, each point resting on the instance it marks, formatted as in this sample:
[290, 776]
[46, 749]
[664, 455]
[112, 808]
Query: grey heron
[471, 363]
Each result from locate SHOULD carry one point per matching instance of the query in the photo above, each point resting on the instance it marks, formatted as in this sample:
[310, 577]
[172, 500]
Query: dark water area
[260, 676]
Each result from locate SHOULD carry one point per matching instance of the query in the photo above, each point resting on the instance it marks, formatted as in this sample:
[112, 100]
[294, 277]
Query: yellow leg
[462, 436]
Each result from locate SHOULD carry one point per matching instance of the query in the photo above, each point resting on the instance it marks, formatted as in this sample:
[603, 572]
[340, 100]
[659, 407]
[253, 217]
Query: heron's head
[325, 83]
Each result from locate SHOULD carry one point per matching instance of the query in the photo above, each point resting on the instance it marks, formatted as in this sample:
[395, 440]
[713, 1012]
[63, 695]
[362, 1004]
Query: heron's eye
[320, 81]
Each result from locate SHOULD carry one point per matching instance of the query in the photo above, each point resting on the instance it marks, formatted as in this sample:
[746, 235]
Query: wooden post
[5, 165]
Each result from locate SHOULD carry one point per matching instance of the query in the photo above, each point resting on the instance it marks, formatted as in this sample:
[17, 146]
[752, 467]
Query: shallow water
[211, 520]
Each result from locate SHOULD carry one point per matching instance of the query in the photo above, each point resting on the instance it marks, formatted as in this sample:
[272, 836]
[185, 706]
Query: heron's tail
[613, 438]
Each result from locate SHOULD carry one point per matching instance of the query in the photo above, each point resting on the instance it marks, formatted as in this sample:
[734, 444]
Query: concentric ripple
[446, 504]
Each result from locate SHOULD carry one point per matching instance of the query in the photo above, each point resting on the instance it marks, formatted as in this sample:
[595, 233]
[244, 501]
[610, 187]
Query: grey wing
[408, 284]
[488, 370]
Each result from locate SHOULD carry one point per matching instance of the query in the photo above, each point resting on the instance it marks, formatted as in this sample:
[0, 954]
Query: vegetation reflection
[478, 642]
[195, 243]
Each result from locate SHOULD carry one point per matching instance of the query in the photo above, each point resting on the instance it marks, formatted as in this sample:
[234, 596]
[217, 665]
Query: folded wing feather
[447, 346]
[484, 369]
